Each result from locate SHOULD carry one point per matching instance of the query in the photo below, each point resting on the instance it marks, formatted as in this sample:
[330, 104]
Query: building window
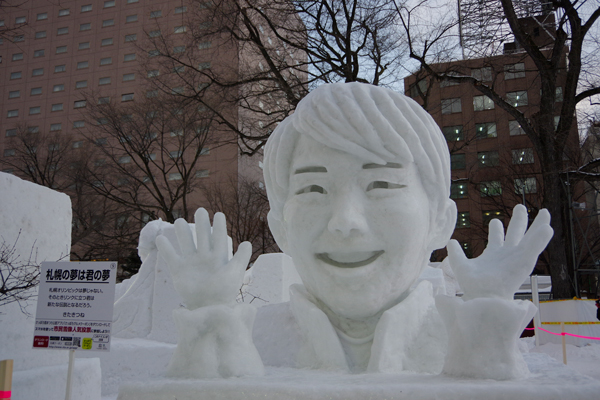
[458, 161]
[175, 176]
[104, 100]
[83, 64]
[61, 49]
[451, 106]
[151, 94]
[154, 34]
[57, 107]
[526, 185]
[35, 91]
[132, 1]
[177, 90]
[14, 94]
[9, 152]
[463, 220]
[482, 74]
[416, 89]
[33, 129]
[11, 132]
[204, 45]
[202, 173]
[106, 61]
[490, 188]
[206, 65]
[445, 82]
[20, 20]
[38, 53]
[79, 104]
[130, 38]
[78, 124]
[63, 31]
[514, 128]
[131, 18]
[175, 154]
[481, 103]
[522, 156]
[517, 99]
[12, 113]
[204, 151]
[125, 160]
[490, 215]
[78, 144]
[64, 12]
[155, 14]
[178, 69]
[488, 158]
[40, 34]
[104, 81]
[86, 8]
[15, 75]
[129, 57]
[180, 10]
[85, 27]
[84, 45]
[35, 110]
[127, 97]
[514, 71]
[458, 190]
[153, 73]
[180, 29]
[58, 88]
[42, 16]
[81, 84]
[55, 127]
[109, 3]
[128, 77]
[102, 121]
[153, 53]
[108, 22]
[558, 95]
[17, 56]
[453, 133]
[180, 49]
[486, 130]
[37, 72]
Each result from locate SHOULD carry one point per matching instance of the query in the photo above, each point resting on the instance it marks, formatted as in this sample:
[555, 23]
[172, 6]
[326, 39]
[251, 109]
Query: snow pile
[37, 220]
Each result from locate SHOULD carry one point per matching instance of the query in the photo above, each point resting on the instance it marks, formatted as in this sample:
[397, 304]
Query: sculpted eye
[384, 185]
[312, 189]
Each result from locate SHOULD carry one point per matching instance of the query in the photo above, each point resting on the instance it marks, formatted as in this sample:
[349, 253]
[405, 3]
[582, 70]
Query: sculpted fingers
[184, 237]
[241, 257]
[496, 234]
[202, 231]
[517, 225]
[219, 238]
[457, 256]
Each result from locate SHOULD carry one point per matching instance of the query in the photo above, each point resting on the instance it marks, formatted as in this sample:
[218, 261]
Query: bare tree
[18, 277]
[562, 49]
[280, 50]
[146, 153]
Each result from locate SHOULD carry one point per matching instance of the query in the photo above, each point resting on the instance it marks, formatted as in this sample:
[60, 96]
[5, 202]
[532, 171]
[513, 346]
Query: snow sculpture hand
[205, 274]
[506, 262]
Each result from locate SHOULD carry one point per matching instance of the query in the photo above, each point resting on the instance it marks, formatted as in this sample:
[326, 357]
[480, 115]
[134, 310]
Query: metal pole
[536, 301]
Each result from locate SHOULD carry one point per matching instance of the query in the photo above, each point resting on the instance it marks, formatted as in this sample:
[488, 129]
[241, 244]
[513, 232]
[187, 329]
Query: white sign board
[75, 305]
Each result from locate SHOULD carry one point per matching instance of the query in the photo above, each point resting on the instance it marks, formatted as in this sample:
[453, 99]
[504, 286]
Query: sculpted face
[357, 230]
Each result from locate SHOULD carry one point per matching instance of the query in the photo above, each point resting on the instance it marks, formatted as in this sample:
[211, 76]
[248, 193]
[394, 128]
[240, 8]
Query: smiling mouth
[349, 260]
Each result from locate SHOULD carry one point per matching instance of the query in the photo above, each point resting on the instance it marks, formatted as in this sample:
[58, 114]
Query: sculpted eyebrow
[309, 169]
[388, 165]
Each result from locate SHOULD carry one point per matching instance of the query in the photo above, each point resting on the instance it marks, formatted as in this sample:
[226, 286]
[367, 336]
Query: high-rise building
[61, 63]
[494, 164]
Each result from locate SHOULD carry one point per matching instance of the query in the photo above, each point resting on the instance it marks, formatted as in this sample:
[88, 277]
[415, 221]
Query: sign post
[75, 308]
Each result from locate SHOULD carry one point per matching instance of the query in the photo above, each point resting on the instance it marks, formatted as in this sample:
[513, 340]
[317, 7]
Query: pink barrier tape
[5, 394]
[565, 333]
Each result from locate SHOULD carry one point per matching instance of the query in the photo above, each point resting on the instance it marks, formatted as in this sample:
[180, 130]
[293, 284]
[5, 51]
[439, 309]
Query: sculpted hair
[368, 121]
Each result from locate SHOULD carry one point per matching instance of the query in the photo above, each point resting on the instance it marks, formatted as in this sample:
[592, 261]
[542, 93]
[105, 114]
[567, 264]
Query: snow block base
[549, 380]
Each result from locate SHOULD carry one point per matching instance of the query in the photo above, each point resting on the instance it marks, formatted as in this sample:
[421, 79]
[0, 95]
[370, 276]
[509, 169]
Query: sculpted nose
[348, 216]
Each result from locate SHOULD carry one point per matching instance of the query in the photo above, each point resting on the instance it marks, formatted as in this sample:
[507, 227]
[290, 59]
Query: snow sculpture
[358, 180]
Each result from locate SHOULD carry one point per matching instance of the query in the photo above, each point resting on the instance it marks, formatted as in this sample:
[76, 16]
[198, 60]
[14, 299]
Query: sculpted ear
[443, 225]
[277, 230]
